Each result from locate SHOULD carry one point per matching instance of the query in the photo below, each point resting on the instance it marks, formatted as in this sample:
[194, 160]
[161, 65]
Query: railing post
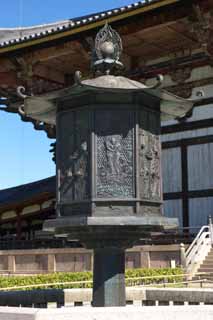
[183, 256]
[211, 229]
[11, 264]
[51, 263]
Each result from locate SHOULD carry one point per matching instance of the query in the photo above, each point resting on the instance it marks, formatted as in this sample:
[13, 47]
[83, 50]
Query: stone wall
[79, 259]
[140, 296]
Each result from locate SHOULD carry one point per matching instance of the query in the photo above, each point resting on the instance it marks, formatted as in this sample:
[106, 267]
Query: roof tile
[9, 36]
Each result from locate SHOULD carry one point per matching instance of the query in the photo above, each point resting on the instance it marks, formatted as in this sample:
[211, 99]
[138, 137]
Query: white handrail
[197, 237]
[201, 244]
[198, 250]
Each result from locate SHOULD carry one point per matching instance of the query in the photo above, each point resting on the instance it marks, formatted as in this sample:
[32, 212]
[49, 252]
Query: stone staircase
[199, 255]
[207, 265]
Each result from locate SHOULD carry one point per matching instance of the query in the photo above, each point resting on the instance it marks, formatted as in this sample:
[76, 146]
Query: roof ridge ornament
[107, 51]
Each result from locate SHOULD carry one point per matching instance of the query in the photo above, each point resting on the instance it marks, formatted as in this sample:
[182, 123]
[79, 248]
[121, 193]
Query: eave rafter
[41, 126]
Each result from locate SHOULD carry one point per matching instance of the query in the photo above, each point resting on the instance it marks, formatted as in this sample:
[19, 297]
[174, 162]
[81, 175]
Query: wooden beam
[8, 79]
[193, 61]
[187, 142]
[46, 54]
[6, 64]
[172, 196]
[205, 193]
[149, 23]
[186, 126]
[49, 73]
[12, 78]
[183, 35]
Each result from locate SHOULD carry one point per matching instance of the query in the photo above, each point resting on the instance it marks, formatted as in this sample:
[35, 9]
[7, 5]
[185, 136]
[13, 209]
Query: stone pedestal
[108, 237]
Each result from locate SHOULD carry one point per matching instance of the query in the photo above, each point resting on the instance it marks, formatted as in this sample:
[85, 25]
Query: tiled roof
[12, 36]
[27, 192]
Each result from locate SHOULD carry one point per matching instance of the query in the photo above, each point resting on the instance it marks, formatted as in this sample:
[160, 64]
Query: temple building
[168, 37]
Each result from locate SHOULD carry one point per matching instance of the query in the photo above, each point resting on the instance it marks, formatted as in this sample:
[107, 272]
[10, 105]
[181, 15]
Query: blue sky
[25, 153]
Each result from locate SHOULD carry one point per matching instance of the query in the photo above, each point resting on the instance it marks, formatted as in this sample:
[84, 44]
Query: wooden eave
[22, 204]
[83, 28]
[150, 32]
[32, 215]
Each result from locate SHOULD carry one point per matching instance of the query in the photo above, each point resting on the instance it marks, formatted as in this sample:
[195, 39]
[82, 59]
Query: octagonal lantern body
[108, 154]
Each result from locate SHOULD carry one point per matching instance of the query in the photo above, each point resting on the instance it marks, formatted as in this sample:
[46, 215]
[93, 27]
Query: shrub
[154, 276]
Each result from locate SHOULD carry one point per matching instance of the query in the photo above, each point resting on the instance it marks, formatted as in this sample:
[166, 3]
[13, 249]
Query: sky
[24, 152]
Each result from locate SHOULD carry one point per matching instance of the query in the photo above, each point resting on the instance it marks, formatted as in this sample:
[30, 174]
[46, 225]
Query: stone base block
[122, 313]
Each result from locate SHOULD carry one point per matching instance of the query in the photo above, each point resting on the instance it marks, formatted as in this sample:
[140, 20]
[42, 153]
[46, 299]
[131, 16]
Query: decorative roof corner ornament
[200, 94]
[78, 77]
[159, 79]
[107, 51]
[21, 93]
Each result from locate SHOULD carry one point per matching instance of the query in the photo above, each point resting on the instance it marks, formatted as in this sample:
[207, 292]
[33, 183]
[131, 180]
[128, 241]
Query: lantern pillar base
[109, 277]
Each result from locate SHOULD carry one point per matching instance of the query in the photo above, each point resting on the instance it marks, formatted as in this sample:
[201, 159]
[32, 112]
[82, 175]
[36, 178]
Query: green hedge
[155, 275]
[158, 275]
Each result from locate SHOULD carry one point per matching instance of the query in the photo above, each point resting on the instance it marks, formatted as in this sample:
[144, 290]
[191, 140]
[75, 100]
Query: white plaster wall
[173, 209]
[199, 211]
[200, 167]
[171, 169]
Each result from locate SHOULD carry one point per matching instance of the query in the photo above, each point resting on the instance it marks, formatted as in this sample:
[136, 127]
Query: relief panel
[115, 159]
[74, 164]
[149, 155]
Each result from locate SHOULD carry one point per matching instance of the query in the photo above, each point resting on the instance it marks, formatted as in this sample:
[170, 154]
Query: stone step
[205, 270]
[211, 251]
[207, 264]
[206, 267]
[208, 259]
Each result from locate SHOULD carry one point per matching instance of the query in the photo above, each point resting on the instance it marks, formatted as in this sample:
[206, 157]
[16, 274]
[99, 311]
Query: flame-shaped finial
[107, 51]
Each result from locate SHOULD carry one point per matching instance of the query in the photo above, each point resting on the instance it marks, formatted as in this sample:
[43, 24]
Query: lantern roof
[105, 66]
[43, 107]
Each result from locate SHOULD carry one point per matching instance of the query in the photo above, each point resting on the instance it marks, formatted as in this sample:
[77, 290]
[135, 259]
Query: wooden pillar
[51, 264]
[185, 200]
[29, 229]
[144, 259]
[11, 262]
[18, 225]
